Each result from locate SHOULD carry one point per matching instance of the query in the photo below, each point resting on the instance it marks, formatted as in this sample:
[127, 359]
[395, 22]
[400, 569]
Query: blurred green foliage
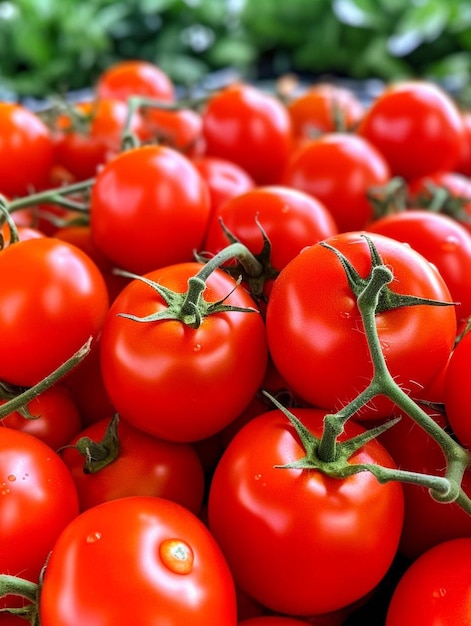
[54, 46]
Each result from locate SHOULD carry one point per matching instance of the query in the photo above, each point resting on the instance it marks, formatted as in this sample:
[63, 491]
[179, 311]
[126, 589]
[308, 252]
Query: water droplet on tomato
[257, 476]
[197, 347]
[4, 491]
[346, 315]
[11, 478]
[93, 537]
[439, 593]
[177, 556]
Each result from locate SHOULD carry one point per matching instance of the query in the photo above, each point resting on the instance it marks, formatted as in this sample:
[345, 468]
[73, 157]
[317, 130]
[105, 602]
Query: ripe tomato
[56, 417]
[434, 591]
[134, 77]
[181, 129]
[416, 126]
[426, 521]
[81, 146]
[290, 218]
[38, 499]
[250, 127]
[457, 391]
[272, 621]
[224, 178]
[174, 381]
[443, 241]
[339, 535]
[137, 560]
[312, 310]
[144, 466]
[464, 164]
[339, 169]
[324, 108]
[149, 207]
[53, 299]
[26, 151]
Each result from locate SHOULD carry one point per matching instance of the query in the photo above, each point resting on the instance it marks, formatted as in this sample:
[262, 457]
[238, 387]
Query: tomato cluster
[235, 354]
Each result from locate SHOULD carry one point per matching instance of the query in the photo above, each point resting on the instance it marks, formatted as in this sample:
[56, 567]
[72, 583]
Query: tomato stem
[56, 195]
[6, 217]
[29, 394]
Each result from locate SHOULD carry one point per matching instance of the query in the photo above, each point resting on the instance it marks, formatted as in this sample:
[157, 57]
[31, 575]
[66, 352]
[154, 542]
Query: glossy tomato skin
[145, 466]
[339, 169]
[290, 218]
[443, 241]
[272, 621]
[313, 310]
[134, 77]
[24, 139]
[56, 417]
[457, 392]
[173, 381]
[136, 577]
[246, 125]
[339, 536]
[60, 301]
[149, 208]
[434, 591]
[416, 126]
[38, 499]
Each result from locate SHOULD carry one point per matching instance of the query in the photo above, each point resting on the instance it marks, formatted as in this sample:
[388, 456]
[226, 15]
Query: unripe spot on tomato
[93, 537]
[177, 556]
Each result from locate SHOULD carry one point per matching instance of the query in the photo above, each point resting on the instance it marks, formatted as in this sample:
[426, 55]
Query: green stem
[6, 217]
[32, 392]
[55, 195]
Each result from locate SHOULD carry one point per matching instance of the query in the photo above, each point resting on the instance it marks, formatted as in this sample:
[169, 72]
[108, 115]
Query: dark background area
[57, 46]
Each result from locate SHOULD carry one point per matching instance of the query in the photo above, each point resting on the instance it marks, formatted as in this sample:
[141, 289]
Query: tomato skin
[24, 139]
[443, 241]
[246, 125]
[290, 218]
[339, 169]
[145, 466]
[181, 129]
[272, 621]
[60, 301]
[434, 591]
[82, 152]
[312, 309]
[133, 77]
[271, 522]
[57, 417]
[149, 208]
[198, 380]
[38, 499]
[457, 392]
[129, 582]
[416, 126]
[224, 178]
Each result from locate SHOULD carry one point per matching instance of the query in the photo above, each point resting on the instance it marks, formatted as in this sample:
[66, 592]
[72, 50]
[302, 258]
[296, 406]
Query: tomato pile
[235, 349]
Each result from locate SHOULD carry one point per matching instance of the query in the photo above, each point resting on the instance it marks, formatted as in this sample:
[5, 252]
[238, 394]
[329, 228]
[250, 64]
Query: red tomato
[442, 241]
[426, 521]
[53, 299]
[464, 164]
[434, 591]
[137, 560]
[56, 417]
[181, 129]
[38, 499]
[196, 379]
[458, 392]
[250, 127]
[272, 621]
[144, 466]
[134, 77]
[290, 218]
[26, 151]
[339, 169]
[312, 310]
[83, 146]
[149, 208]
[272, 521]
[324, 108]
[417, 126]
[224, 178]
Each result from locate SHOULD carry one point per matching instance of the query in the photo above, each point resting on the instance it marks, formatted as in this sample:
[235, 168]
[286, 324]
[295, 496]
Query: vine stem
[56, 195]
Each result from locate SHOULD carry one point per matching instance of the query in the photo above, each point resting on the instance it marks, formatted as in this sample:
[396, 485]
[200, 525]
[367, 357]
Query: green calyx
[190, 307]
[387, 299]
[99, 454]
